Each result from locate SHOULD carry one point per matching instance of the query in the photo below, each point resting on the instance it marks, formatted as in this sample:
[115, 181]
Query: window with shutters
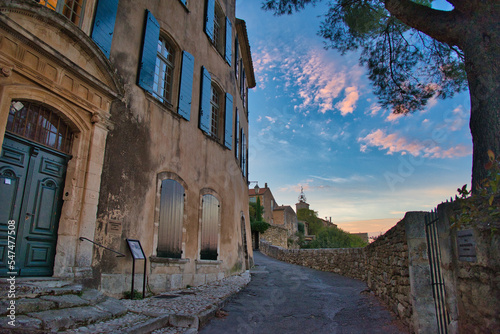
[219, 29]
[210, 221]
[164, 71]
[71, 9]
[216, 111]
[170, 220]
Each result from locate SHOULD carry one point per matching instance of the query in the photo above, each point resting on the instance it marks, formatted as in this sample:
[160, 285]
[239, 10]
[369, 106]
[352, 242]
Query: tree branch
[443, 26]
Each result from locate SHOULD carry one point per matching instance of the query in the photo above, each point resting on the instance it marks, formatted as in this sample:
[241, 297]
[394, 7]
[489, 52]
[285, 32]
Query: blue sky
[315, 123]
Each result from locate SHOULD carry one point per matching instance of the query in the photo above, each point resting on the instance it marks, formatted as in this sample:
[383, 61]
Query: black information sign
[137, 254]
[466, 246]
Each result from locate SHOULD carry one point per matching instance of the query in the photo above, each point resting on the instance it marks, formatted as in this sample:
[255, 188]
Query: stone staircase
[51, 305]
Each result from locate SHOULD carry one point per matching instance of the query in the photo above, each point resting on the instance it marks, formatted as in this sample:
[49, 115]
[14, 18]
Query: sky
[315, 123]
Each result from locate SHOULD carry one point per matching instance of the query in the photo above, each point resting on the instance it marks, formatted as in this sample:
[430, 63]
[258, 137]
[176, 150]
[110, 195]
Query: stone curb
[150, 325]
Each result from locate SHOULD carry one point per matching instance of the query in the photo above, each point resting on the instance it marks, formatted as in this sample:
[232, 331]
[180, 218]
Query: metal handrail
[95, 243]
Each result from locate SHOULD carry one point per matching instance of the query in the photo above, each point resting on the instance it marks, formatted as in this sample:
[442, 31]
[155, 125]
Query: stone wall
[276, 235]
[472, 283]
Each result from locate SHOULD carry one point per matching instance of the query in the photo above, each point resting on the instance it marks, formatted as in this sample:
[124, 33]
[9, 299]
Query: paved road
[283, 298]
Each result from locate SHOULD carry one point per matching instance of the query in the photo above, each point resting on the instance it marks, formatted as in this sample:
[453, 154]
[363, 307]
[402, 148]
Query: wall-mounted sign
[466, 246]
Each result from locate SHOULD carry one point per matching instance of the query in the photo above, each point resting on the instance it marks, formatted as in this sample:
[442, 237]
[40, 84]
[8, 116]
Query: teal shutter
[237, 136]
[184, 2]
[209, 19]
[228, 131]
[229, 41]
[149, 53]
[243, 149]
[186, 86]
[206, 92]
[104, 24]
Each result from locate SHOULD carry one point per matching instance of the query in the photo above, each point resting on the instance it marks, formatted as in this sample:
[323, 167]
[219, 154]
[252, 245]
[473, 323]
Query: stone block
[185, 321]
[199, 279]
[66, 301]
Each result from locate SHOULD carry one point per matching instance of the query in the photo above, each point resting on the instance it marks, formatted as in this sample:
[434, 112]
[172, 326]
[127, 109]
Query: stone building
[125, 120]
[282, 219]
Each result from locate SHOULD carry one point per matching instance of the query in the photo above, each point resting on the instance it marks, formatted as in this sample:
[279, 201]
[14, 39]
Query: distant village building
[125, 120]
[282, 219]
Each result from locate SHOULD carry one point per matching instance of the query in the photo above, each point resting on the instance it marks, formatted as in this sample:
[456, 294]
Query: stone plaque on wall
[115, 227]
[466, 246]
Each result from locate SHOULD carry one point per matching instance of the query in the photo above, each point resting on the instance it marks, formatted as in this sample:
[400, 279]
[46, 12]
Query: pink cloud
[395, 143]
[347, 105]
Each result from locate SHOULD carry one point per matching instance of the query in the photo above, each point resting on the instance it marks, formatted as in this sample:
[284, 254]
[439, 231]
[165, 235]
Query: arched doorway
[33, 165]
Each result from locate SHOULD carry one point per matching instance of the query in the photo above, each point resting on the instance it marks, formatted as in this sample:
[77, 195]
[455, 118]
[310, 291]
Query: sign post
[137, 254]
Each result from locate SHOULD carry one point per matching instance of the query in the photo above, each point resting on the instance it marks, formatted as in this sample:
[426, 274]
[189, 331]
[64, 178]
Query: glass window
[164, 71]
[40, 124]
[219, 29]
[71, 9]
[216, 109]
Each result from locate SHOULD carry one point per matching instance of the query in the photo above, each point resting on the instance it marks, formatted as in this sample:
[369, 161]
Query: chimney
[265, 185]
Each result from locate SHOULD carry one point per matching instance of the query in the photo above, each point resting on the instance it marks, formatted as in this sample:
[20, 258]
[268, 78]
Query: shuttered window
[104, 24]
[171, 218]
[157, 70]
[228, 131]
[210, 219]
[219, 29]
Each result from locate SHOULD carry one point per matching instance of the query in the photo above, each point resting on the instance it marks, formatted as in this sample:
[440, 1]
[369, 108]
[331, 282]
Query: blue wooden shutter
[186, 86]
[228, 131]
[149, 53]
[104, 24]
[243, 149]
[229, 41]
[205, 106]
[210, 18]
[237, 136]
[184, 2]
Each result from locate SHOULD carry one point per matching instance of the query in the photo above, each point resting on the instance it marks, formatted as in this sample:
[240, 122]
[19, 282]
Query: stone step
[33, 288]
[51, 313]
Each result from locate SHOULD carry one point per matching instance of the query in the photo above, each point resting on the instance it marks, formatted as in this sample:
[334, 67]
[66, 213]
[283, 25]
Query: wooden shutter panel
[186, 85]
[104, 24]
[237, 136]
[209, 19]
[228, 131]
[243, 149]
[229, 41]
[206, 92]
[149, 53]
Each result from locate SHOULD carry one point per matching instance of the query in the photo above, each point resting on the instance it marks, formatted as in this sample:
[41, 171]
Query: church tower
[302, 204]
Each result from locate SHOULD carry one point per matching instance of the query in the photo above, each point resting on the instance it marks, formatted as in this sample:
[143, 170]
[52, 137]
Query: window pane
[39, 124]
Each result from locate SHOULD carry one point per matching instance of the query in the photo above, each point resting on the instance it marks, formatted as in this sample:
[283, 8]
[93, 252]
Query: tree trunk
[481, 47]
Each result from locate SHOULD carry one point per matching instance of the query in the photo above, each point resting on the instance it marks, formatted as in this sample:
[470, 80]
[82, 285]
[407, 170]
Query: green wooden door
[31, 185]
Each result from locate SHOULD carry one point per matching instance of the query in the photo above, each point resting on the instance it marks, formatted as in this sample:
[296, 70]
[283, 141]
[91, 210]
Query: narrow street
[283, 298]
